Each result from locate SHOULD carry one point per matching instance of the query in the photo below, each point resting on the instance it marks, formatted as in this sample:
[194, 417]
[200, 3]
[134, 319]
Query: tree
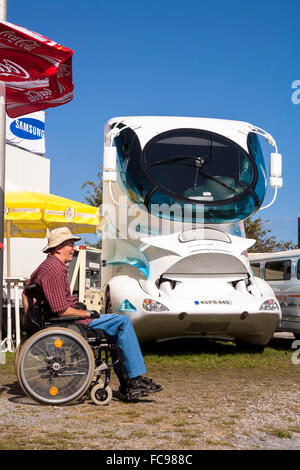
[264, 242]
[94, 198]
[94, 195]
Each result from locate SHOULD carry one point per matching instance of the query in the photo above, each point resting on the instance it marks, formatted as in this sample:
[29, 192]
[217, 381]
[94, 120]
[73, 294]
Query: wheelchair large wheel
[17, 355]
[17, 352]
[56, 366]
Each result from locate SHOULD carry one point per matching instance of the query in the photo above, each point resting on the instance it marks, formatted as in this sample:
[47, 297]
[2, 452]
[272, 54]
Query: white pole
[3, 16]
[8, 262]
[17, 315]
[8, 284]
[9, 330]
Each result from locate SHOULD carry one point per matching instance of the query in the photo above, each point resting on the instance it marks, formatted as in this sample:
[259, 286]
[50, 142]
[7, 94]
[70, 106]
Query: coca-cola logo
[8, 68]
[40, 95]
[12, 37]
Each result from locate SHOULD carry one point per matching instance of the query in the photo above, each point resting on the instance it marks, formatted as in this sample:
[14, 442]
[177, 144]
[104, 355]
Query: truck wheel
[108, 306]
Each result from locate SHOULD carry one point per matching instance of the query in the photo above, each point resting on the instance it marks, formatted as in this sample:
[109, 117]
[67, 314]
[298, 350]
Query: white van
[282, 271]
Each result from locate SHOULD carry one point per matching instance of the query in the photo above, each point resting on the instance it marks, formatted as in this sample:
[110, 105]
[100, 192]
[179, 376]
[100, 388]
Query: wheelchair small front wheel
[56, 366]
[99, 395]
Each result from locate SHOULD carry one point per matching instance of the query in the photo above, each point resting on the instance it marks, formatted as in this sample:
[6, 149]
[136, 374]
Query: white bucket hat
[58, 236]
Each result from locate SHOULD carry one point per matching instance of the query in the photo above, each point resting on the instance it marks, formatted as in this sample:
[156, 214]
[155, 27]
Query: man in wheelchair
[51, 278]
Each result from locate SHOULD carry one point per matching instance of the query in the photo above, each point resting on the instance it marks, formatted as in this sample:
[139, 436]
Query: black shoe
[138, 387]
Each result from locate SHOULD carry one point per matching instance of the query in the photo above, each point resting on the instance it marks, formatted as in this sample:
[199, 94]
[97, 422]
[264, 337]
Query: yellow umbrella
[29, 214]
[39, 211]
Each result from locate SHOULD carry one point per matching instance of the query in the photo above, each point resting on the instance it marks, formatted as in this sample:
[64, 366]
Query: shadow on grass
[188, 346]
[12, 389]
[15, 393]
[191, 346]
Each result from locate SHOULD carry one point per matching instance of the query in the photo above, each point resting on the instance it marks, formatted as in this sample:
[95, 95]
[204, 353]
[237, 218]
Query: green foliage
[94, 194]
[265, 242]
[94, 198]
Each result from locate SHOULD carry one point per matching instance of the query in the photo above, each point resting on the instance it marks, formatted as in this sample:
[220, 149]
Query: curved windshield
[198, 166]
[193, 167]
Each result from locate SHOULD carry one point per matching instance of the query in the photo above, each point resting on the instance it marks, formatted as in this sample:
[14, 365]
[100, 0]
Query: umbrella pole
[10, 345]
[3, 15]
[8, 286]
[8, 232]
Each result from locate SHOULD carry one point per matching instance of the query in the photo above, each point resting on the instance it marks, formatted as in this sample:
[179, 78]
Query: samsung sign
[28, 128]
[27, 132]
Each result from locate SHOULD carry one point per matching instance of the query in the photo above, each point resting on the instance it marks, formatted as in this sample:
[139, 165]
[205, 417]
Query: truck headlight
[150, 305]
[269, 305]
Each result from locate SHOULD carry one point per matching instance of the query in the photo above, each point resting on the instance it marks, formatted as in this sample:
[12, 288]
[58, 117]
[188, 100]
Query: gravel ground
[213, 407]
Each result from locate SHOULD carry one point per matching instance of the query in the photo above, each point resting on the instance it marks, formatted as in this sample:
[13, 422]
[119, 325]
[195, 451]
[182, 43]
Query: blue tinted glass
[195, 169]
[256, 152]
[126, 253]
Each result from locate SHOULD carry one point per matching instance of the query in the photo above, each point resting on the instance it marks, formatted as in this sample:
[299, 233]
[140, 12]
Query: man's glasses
[68, 244]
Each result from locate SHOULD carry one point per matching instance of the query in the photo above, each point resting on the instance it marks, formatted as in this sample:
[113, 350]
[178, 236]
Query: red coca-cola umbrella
[35, 74]
[36, 71]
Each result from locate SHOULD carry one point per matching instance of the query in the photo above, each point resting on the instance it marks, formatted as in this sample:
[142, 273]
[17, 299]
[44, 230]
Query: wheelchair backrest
[40, 316]
[36, 293]
[38, 309]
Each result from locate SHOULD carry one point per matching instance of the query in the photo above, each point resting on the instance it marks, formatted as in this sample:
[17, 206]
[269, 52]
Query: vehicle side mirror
[110, 164]
[275, 170]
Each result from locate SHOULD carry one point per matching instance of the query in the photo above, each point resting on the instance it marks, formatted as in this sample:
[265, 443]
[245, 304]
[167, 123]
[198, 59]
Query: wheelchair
[61, 361]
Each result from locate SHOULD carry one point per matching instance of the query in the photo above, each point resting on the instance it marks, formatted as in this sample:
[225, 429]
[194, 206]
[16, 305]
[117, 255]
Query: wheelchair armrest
[31, 287]
[64, 318]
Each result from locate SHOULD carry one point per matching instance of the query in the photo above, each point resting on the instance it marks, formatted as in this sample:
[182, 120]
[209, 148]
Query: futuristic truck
[176, 191]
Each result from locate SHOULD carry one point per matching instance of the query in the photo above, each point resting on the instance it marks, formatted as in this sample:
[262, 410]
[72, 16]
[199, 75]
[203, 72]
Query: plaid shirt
[52, 277]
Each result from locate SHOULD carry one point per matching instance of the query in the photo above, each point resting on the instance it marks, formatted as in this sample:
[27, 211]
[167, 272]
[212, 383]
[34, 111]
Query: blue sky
[223, 59]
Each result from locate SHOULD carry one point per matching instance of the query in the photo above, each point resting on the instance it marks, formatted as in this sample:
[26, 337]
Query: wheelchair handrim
[53, 389]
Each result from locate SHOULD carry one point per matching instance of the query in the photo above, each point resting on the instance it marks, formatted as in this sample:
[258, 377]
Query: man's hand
[94, 314]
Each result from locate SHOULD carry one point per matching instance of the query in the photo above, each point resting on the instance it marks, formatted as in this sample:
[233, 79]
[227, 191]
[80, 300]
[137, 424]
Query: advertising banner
[27, 132]
[36, 71]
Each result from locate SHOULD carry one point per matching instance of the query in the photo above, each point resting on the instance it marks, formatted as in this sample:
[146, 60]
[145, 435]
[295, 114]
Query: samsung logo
[28, 128]
[209, 302]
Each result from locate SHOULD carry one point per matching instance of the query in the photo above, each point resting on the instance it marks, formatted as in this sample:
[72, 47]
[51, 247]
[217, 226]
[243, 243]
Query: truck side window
[256, 269]
[298, 269]
[278, 270]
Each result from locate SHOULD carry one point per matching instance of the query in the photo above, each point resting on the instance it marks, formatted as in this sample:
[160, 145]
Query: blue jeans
[120, 328]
